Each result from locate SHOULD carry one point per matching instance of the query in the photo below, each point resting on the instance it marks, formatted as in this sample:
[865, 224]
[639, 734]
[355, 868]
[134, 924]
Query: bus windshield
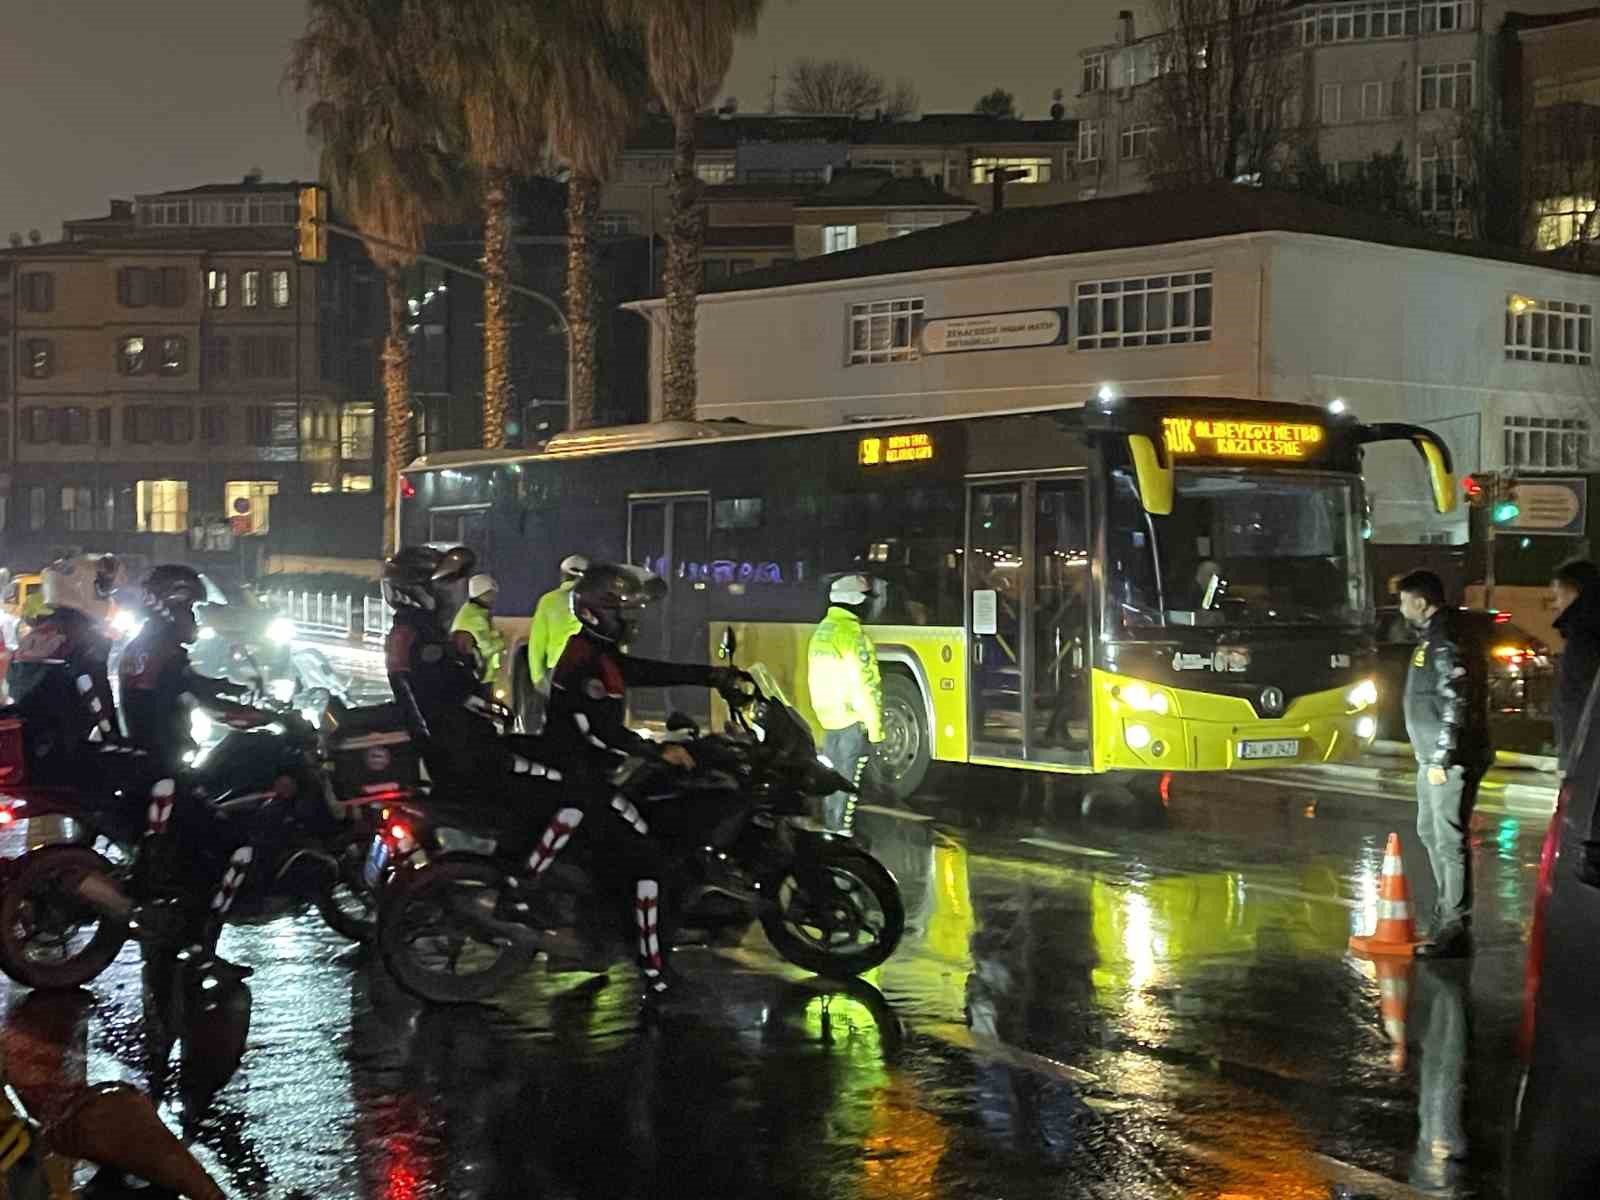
[1240, 548]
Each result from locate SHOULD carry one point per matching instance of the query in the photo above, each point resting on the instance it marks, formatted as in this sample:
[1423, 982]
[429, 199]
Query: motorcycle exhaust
[102, 894]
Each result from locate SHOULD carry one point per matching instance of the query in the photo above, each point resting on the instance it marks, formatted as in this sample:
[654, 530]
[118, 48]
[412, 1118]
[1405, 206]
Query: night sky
[105, 99]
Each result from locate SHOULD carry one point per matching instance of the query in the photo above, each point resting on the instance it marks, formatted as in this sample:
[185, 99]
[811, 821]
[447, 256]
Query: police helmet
[608, 596]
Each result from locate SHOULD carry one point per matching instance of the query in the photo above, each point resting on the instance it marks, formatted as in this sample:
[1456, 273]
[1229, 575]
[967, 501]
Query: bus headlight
[1143, 699]
[1363, 695]
[281, 630]
[1366, 729]
[1137, 736]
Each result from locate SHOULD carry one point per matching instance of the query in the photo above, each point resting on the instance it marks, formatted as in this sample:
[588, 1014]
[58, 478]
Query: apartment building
[1362, 77]
[1224, 291]
[170, 367]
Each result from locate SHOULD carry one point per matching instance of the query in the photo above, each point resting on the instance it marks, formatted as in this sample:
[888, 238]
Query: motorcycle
[823, 902]
[67, 908]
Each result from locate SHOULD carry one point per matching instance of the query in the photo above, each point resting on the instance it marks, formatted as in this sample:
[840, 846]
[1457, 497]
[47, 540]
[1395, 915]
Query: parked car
[1521, 671]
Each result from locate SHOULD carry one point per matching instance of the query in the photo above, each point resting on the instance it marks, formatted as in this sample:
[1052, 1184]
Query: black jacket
[1446, 698]
[1579, 627]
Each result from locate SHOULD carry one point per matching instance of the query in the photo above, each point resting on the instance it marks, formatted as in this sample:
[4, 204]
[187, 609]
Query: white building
[1225, 291]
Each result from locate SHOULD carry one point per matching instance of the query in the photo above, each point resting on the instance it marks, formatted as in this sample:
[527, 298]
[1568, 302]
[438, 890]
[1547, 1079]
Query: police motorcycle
[68, 907]
[823, 902]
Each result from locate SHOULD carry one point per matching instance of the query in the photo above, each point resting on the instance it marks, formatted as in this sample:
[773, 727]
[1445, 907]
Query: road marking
[1295, 894]
[899, 814]
[1066, 847]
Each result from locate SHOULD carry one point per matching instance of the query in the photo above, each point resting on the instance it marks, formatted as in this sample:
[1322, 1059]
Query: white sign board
[1549, 506]
[994, 331]
[985, 612]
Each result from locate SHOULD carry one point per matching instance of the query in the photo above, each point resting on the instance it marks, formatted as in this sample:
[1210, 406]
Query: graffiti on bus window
[724, 571]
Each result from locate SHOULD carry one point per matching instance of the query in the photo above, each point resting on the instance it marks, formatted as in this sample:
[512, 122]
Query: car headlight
[1366, 729]
[1143, 699]
[281, 630]
[1137, 736]
[1363, 695]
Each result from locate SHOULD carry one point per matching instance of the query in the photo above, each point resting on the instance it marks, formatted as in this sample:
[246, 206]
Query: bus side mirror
[728, 645]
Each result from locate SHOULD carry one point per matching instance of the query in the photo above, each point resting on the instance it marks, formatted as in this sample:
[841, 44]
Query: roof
[261, 239]
[724, 133]
[1517, 22]
[948, 129]
[223, 189]
[855, 189]
[1117, 223]
[933, 129]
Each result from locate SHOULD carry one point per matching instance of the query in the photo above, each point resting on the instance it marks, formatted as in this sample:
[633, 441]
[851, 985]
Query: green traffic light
[1505, 511]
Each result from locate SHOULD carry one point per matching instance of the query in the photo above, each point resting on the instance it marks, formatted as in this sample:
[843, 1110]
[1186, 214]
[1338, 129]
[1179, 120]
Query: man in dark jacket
[1447, 720]
[1575, 596]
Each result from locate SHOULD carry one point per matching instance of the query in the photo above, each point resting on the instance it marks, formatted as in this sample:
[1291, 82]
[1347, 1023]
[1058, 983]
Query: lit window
[883, 331]
[1445, 86]
[174, 355]
[357, 429]
[838, 237]
[1563, 219]
[1155, 310]
[1547, 443]
[714, 172]
[279, 282]
[1549, 331]
[1089, 135]
[131, 359]
[38, 360]
[1094, 73]
[902, 223]
[216, 289]
[1019, 170]
[355, 483]
[162, 505]
[250, 288]
[257, 496]
[1136, 140]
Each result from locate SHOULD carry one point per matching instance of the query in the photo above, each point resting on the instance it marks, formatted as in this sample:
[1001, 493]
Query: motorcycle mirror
[729, 644]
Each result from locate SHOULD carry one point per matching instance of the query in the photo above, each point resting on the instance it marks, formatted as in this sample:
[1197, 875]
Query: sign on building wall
[1549, 506]
[995, 331]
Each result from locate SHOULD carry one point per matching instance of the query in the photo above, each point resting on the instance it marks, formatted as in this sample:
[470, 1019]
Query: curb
[1542, 794]
[1502, 758]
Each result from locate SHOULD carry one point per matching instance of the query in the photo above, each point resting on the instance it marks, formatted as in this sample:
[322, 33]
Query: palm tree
[380, 138]
[482, 58]
[595, 80]
[688, 46]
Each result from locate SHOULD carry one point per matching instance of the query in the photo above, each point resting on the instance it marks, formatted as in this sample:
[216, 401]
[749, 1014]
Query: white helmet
[850, 589]
[481, 585]
[85, 582]
[573, 565]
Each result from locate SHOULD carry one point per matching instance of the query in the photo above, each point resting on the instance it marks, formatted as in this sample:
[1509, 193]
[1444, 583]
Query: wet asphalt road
[1079, 1009]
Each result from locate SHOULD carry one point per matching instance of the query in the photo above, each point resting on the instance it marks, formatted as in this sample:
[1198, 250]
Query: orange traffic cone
[1396, 934]
[1394, 993]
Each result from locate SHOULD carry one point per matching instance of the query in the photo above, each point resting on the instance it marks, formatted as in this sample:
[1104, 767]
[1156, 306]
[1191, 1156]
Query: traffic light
[312, 225]
[1472, 487]
[1506, 508]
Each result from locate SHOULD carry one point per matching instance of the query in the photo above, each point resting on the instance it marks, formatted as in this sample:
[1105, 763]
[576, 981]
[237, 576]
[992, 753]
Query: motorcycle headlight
[282, 690]
[200, 725]
[206, 633]
[281, 630]
[1363, 695]
[126, 622]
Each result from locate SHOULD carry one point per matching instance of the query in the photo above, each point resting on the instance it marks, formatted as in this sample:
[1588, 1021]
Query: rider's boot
[661, 982]
[519, 899]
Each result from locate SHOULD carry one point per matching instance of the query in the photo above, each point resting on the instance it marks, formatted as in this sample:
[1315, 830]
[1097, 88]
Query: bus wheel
[907, 741]
[1126, 798]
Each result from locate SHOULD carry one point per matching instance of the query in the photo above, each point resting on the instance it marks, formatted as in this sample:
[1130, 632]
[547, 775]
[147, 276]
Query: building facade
[1229, 292]
[171, 367]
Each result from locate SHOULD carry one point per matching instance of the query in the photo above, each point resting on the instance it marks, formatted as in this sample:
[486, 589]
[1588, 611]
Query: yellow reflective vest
[474, 619]
[553, 624]
[842, 664]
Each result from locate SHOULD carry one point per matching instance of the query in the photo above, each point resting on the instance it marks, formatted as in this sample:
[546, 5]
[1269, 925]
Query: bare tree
[998, 103]
[1221, 97]
[844, 87]
[1562, 177]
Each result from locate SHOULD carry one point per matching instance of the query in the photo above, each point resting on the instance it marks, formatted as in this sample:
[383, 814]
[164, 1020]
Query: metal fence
[326, 613]
[374, 620]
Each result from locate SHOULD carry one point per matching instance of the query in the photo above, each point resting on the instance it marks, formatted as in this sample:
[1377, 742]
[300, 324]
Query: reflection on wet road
[1079, 1009]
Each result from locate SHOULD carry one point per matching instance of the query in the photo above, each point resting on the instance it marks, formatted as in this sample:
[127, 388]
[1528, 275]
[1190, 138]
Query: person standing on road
[1575, 596]
[1447, 719]
[846, 692]
[553, 624]
[475, 619]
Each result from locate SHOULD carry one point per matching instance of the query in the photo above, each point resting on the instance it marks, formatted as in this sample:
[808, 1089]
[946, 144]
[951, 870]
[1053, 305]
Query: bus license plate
[1285, 748]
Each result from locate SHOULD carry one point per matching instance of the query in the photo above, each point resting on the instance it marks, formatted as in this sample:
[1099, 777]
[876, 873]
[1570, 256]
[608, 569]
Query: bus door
[1028, 590]
[670, 536]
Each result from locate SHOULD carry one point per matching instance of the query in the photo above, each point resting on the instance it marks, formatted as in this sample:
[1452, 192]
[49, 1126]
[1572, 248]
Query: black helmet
[171, 591]
[607, 595]
[408, 577]
[456, 563]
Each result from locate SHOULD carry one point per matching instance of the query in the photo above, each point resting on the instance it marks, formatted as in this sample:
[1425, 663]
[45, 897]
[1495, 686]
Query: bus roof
[616, 439]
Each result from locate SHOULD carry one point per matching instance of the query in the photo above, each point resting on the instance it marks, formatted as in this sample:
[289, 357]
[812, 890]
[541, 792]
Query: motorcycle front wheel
[834, 910]
[50, 937]
[430, 944]
[349, 906]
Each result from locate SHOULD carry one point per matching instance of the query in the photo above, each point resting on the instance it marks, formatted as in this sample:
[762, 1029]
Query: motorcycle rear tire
[51, 868]
[344, 922]
[414, 887]
[867, 871]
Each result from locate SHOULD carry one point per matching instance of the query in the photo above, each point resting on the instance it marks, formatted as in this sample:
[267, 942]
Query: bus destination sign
[1240, 439]
[896, 448]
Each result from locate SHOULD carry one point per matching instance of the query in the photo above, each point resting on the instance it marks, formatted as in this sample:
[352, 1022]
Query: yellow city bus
[1142, 586]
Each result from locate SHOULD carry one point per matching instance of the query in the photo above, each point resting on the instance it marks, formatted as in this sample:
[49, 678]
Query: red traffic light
[1471, 486]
